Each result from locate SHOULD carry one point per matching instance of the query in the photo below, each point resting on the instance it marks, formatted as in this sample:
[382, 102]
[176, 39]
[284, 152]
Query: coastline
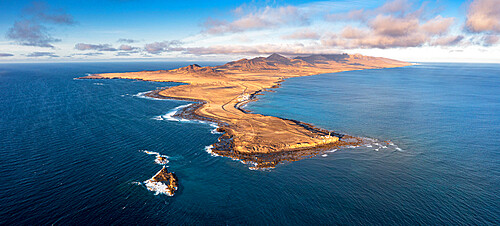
[265, 160]
[220, 94]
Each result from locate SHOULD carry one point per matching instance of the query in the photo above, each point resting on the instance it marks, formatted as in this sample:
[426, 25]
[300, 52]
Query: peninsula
[220, 93]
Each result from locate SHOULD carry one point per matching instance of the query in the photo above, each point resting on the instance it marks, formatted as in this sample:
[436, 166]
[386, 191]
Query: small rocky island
[163, 182]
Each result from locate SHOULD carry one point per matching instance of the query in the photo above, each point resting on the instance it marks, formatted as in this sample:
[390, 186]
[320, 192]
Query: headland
[220, 93]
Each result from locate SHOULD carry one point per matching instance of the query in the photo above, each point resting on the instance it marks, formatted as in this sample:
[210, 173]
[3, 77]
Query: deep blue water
[70, 150]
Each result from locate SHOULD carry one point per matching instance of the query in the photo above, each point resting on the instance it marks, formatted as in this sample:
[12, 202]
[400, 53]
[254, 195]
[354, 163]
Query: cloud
[395, 24]
[303, 34]
[483, 19]
[285, 49]
[351, 15]
[126, 40]
[377, 41]
[6, 54]
[438, 25]
[447, 41]
[353, 33]
[87, 54]
[127, 48]
[106, 48]
[123, 54]
[489, 40]
[42, 54]
[153, 48]
[98, 47]
[42, 12]
[32, 31]
[395, 7]
[256, 18]
[483, 16]
[164, 46]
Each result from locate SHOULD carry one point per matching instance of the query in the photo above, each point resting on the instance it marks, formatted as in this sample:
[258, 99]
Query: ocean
[73, 151]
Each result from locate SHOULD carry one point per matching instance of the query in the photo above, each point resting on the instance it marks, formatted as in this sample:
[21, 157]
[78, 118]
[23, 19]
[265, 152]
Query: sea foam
[209, 148]
[160, 159]
[170, 115]
[143, 96]
[157, 187]
[377, 145]
[154, 186]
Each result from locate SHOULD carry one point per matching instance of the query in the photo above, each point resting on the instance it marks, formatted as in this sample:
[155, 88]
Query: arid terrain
[222, 91]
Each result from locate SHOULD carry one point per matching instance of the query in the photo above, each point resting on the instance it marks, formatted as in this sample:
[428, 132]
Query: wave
[324, 154]
[143, 96]
[78, 78]
[170, 115]
[253, 165]
[157, 187]
[212, 124]
[377, 145]
[214, 131]
[374, 144]
[209, 148]
[160, 159]
[331, 151]
[98, 84]
[159, 118]
[154, 186]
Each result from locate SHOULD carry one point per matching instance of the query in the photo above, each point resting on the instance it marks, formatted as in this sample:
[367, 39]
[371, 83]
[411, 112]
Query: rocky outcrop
[163, 182]
[162, 160]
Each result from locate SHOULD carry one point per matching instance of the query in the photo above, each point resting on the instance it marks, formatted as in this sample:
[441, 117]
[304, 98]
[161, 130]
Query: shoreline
[220, 93]
[223, 147]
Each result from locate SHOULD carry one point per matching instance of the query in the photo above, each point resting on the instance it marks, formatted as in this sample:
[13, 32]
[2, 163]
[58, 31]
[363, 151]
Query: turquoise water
[71, 150]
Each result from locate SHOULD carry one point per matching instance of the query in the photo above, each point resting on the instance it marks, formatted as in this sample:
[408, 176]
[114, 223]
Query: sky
[134, 30]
